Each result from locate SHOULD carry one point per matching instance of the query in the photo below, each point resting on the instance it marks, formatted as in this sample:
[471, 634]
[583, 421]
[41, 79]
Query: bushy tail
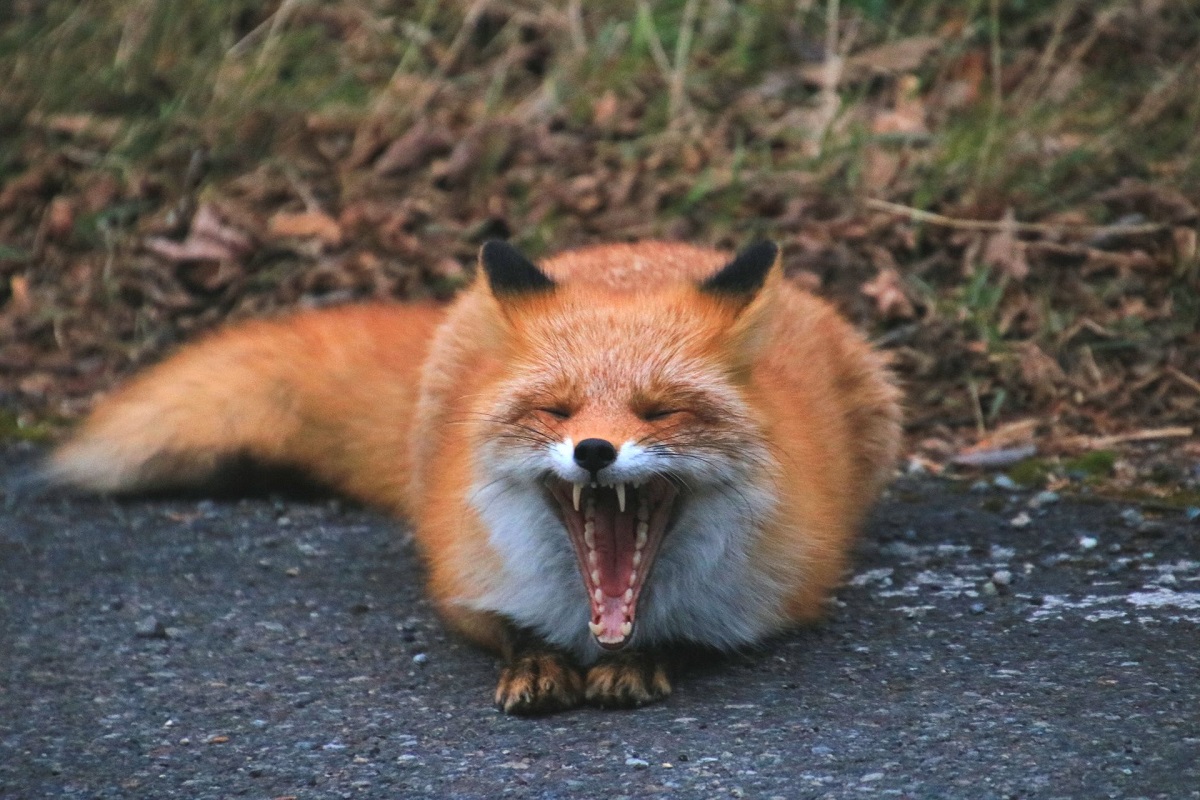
[331, 392]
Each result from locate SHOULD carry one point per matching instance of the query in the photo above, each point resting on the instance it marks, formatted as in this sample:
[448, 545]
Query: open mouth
[617, 530]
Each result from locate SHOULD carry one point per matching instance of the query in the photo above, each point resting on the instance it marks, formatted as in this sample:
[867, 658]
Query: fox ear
[743, 283]
[741, 279]
[509, 273]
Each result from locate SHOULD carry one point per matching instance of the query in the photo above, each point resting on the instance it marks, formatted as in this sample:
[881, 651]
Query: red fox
[625, 451]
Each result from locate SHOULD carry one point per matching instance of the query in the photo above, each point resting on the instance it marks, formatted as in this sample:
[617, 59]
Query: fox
[609, 458]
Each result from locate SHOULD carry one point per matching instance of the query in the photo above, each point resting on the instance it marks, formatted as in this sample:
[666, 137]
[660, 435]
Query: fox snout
[595, 454]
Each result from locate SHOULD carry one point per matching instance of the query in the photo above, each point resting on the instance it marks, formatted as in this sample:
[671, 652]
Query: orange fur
[392, 404]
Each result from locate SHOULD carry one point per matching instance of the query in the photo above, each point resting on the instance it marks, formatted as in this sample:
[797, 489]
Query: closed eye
[558, 412]
[656, 414]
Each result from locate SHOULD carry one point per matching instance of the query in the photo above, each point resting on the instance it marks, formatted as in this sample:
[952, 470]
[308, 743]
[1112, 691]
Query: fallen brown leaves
[990, 314]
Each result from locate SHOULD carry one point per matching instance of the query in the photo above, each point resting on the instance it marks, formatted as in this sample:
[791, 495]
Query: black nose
[595, 454]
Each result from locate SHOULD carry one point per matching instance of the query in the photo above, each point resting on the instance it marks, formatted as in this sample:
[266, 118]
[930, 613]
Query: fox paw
[628, 680]
[539, 683]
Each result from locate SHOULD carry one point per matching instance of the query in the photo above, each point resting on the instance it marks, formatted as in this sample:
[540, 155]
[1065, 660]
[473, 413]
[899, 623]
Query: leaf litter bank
[234, 162]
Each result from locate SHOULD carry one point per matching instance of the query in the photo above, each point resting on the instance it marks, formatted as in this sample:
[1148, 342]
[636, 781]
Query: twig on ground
[1002, 225]
[1034, 85]
[1186, 380]
[1146, 435]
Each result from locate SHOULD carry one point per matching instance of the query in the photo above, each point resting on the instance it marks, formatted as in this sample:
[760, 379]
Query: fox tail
[327, 392]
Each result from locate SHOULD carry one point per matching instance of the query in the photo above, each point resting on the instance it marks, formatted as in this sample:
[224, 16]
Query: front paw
[628, 680]
[539, 683]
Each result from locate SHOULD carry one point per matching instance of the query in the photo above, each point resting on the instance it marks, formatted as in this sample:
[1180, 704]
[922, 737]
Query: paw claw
[538, 683]
[628, 680]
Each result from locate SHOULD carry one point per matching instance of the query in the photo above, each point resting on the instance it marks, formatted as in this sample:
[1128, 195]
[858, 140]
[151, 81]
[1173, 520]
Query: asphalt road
[265, 649]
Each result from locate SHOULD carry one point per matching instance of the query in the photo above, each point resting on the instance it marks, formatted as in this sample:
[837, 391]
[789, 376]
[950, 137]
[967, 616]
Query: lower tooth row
[597, 629]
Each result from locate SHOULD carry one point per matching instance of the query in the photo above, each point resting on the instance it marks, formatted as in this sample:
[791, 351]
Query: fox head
[619, 460]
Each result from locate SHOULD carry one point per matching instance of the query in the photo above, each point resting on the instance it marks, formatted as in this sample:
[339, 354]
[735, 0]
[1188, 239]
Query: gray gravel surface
[265, 649]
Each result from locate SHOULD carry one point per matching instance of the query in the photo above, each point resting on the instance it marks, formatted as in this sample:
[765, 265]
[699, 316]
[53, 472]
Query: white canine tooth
[628, 596]
[596, 628]
[626, 629]
[589, 534]
[643, 535]
[597, 595]
[576, 491]
[596, 579]
[621, 496]
[637, 558]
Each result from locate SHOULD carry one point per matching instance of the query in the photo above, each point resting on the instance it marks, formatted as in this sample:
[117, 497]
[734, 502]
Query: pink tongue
[615, 543]
[612, 618]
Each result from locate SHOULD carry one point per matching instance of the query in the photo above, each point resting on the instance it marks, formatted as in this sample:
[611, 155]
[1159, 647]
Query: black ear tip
[747, 272]
[509, 271]
[761, 249]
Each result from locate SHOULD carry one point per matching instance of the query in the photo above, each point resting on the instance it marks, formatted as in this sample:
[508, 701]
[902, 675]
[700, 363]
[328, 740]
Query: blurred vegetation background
[1002, 192]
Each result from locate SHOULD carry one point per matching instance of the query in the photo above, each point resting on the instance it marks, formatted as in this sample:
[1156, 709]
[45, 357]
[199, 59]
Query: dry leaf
[584, 195]
[1157, 203]
[891, 300]
[60, 217]
[1010, 434]
[1004, 251]
[209, 276]
[604, 110]
[305, 225]
[210, 238]
[907, 115]
[190, 249]
[415, 148]
[1039, 371]
[965, 83]
[103, 128]
[21, 301]
[905, 55]
[1003, 447]
[1185, 244]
